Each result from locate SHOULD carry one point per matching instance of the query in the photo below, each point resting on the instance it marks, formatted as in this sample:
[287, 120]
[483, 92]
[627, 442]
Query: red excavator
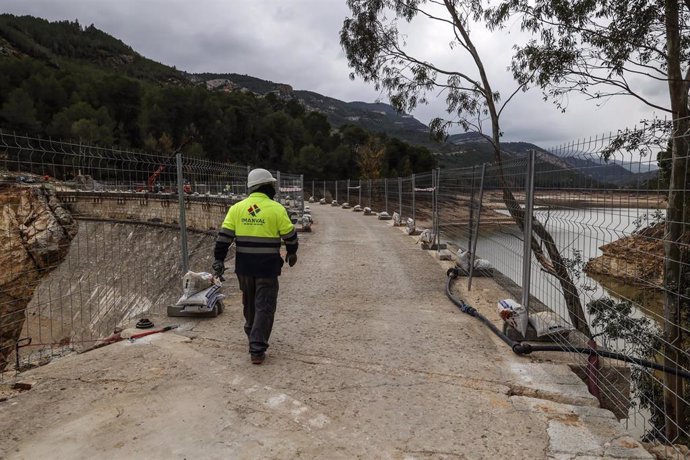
[151, 185]
[151, 182]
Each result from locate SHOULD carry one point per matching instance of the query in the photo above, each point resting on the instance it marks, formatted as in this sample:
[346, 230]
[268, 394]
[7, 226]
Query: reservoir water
[579, 234]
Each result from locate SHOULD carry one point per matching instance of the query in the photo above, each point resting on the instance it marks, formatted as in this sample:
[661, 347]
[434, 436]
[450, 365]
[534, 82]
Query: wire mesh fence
[592, 262]
[92, 238]
[609, 222]
[594, 259]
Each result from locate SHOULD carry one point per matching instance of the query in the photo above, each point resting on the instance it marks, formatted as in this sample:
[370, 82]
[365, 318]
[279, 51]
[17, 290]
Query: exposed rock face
[36, 233]
[637, 259]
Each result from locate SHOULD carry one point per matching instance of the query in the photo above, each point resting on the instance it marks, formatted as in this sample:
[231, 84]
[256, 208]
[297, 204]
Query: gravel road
[368, 359]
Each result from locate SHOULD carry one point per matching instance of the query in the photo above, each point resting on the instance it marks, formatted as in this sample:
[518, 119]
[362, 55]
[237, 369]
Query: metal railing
[94, 237]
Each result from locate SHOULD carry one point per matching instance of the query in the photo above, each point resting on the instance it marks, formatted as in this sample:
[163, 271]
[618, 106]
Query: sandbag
[464, 261]
[547, 322]
[514, 314]
[193, 282]
[206, 297]
[426, 236]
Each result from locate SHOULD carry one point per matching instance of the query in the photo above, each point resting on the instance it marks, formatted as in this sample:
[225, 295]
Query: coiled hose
[526, 348]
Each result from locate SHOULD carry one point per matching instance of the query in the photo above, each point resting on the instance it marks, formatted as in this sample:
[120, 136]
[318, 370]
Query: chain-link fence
[93, 238]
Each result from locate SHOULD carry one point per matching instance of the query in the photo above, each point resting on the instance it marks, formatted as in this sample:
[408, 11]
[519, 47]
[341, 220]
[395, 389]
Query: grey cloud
[297, 42]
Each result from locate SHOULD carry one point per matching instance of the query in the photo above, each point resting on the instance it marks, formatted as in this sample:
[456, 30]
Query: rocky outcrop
[637, 259]
[36, 233]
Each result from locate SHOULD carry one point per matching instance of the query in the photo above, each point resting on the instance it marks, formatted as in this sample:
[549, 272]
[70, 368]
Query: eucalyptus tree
[377, 51]
[619, 48]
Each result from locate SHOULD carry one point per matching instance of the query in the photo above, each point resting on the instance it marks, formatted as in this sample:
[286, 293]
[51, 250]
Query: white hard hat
[259, 176]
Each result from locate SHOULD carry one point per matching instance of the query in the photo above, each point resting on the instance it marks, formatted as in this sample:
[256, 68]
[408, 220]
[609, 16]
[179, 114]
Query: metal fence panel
[94, 235]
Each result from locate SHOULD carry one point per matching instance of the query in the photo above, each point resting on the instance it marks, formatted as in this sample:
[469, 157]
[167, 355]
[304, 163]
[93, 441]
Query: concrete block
[24, 385]
[581, 431]
[433, 246]
[554, 382]
[444, 254]
[614, 385]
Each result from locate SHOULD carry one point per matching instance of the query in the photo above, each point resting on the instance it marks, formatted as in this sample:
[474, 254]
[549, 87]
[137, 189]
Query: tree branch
[406, 56]
[517, 90]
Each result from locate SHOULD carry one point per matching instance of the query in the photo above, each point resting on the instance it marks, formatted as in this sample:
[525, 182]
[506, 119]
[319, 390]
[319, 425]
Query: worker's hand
[219, 268]
[291, 259]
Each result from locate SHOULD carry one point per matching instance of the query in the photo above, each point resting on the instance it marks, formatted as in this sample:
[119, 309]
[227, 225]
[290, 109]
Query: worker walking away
[257, 225]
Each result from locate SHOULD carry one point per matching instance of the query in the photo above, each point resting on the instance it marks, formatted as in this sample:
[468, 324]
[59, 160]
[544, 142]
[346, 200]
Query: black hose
[526, 348]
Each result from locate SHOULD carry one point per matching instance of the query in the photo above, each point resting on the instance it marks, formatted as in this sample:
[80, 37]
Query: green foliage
[77, 83]
[642, 339]
[377, 51]
[664, 160]
[600, 49]
[82, 121]
[19, 112]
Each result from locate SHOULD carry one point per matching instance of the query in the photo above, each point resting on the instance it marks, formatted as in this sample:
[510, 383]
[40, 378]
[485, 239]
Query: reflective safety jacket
[256, 224]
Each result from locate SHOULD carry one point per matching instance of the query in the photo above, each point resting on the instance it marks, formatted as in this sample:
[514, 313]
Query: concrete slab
[555, 382]
[577, 432]
[444, 254]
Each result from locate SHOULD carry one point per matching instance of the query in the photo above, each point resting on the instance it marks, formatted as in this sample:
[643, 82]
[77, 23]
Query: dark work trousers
[259, 298]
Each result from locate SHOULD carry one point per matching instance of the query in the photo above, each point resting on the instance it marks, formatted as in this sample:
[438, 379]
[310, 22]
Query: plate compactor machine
[201, 296]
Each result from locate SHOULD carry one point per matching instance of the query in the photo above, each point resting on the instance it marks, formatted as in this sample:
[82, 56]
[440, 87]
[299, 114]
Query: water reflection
[579, 234]
[650, 301]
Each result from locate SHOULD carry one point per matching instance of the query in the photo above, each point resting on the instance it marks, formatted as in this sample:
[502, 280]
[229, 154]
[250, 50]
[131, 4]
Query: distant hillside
[64, 43]
[375, 117]
[473, 148]
[66, 81]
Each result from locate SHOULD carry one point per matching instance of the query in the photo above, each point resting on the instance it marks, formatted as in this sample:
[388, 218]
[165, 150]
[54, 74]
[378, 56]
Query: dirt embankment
[36, 234]
[637, 259]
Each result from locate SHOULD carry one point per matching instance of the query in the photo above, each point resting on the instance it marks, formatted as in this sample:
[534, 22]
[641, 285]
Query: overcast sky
[297, 42]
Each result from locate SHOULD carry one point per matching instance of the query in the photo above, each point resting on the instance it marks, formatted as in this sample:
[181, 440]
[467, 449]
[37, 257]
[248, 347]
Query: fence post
[359, 200]
[414, 219]
[527, 243]
[324, 190]
[279, 196]
[385, 189]
[438, 212]
[400, 197]
[313, 190]
[348, 192]
[476, 228]
[301, 186]
[370, 194]
[470, 222]
[183, 217]
[433, 205]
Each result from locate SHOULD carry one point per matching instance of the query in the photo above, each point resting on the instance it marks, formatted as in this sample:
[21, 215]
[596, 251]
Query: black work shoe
[258, 359]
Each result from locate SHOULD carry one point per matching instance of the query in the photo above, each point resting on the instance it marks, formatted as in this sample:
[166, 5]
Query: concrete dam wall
[122, 263]
[113, 273]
